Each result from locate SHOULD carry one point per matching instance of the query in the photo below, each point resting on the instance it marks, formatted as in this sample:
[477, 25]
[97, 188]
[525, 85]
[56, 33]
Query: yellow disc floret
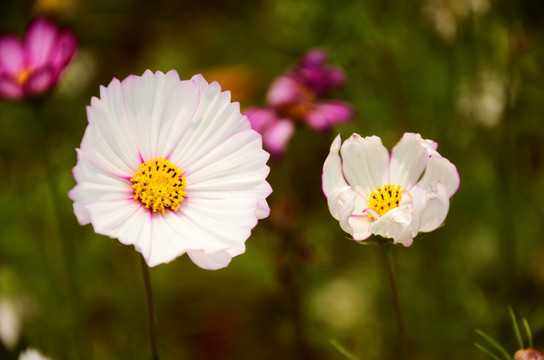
[159, 185]
[385, 198]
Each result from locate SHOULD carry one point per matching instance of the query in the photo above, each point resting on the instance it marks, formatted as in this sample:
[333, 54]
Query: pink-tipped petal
[329, 113]
[12, 59]
[365, 163]
[440, 169]
[277, 136]
[333, 176]
[360, 226]
[408, 160]
[396, 224]
[429, 208]
[215, 261]
[10, 89]
[284, 90]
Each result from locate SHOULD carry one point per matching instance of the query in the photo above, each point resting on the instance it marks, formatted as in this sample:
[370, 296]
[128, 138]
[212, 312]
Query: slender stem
[392, 279]
[150, 314]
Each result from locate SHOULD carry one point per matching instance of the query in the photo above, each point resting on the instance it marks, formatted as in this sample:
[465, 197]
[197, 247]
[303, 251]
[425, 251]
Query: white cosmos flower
[31, 354]
[395, 196]
[171, 167]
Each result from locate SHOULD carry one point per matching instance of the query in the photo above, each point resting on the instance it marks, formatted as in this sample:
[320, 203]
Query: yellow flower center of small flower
[159, 185]
[22, 76]
[385, 198]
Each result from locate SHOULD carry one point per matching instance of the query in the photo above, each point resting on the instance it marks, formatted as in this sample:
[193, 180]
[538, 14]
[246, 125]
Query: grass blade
[342, 350]
[495, 344]
[529, 333]
[495, 357]
[516, 327]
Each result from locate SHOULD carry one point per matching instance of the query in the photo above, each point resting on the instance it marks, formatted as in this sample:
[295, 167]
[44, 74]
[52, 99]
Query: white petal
[408, 160]
[94, 184]
[360, 225]
[365, 163]
[333, 176]
[216, 120]
[10, 323]
[396, 224]
[235, 168]
[440, 169]
[429, 208]
[159, 108]
[339, 199]
[210, 261]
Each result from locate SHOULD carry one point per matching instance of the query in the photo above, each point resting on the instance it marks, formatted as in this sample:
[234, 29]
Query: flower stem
[392, 279]
[150, 314]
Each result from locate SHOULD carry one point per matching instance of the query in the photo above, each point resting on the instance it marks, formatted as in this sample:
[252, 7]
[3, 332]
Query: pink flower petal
[284, 90]
[314, 58]
[329, 113]
[10, 89]
[63, 51]
[40, 81]
[260, 118]
[277, 136]
[39, 42]
[11, 55]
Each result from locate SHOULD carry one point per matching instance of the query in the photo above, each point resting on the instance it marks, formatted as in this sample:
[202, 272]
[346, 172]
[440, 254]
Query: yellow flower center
[22, 76]
[159, 185]
[385, 198]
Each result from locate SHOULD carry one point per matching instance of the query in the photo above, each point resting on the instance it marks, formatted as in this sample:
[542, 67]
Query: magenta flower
[33, 66]
[298, 96]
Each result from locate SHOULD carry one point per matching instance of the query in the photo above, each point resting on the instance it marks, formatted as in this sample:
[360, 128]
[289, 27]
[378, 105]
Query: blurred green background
[465, 73]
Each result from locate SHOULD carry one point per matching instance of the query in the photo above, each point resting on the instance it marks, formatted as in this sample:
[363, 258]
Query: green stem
[392, 279]
[64, 263]
[150, 314]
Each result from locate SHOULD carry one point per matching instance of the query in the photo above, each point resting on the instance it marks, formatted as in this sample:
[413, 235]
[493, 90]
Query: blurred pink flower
[33, 66]
[528, 354]
[298, 97]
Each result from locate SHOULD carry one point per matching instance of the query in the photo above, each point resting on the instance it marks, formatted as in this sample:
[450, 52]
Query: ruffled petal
[12, 59]
[236, 168]
[429, 208]
[440, 169]
[216, 120]
[408, 160]
[160, 109]
[333, 176]
[396, 224]
[109, 141]
[360, 225]
[95, 185]
[329, 113]
[206, 261]
[284, 90]
[39, 42]
[365, 163]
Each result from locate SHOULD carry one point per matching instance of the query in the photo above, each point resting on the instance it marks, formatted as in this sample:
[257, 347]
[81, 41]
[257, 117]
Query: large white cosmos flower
[171, 167]
[395, 196]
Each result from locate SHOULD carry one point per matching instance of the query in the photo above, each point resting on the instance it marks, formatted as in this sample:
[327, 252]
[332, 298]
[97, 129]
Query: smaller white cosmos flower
[395, 196]
[31, 354]
[171, 167]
